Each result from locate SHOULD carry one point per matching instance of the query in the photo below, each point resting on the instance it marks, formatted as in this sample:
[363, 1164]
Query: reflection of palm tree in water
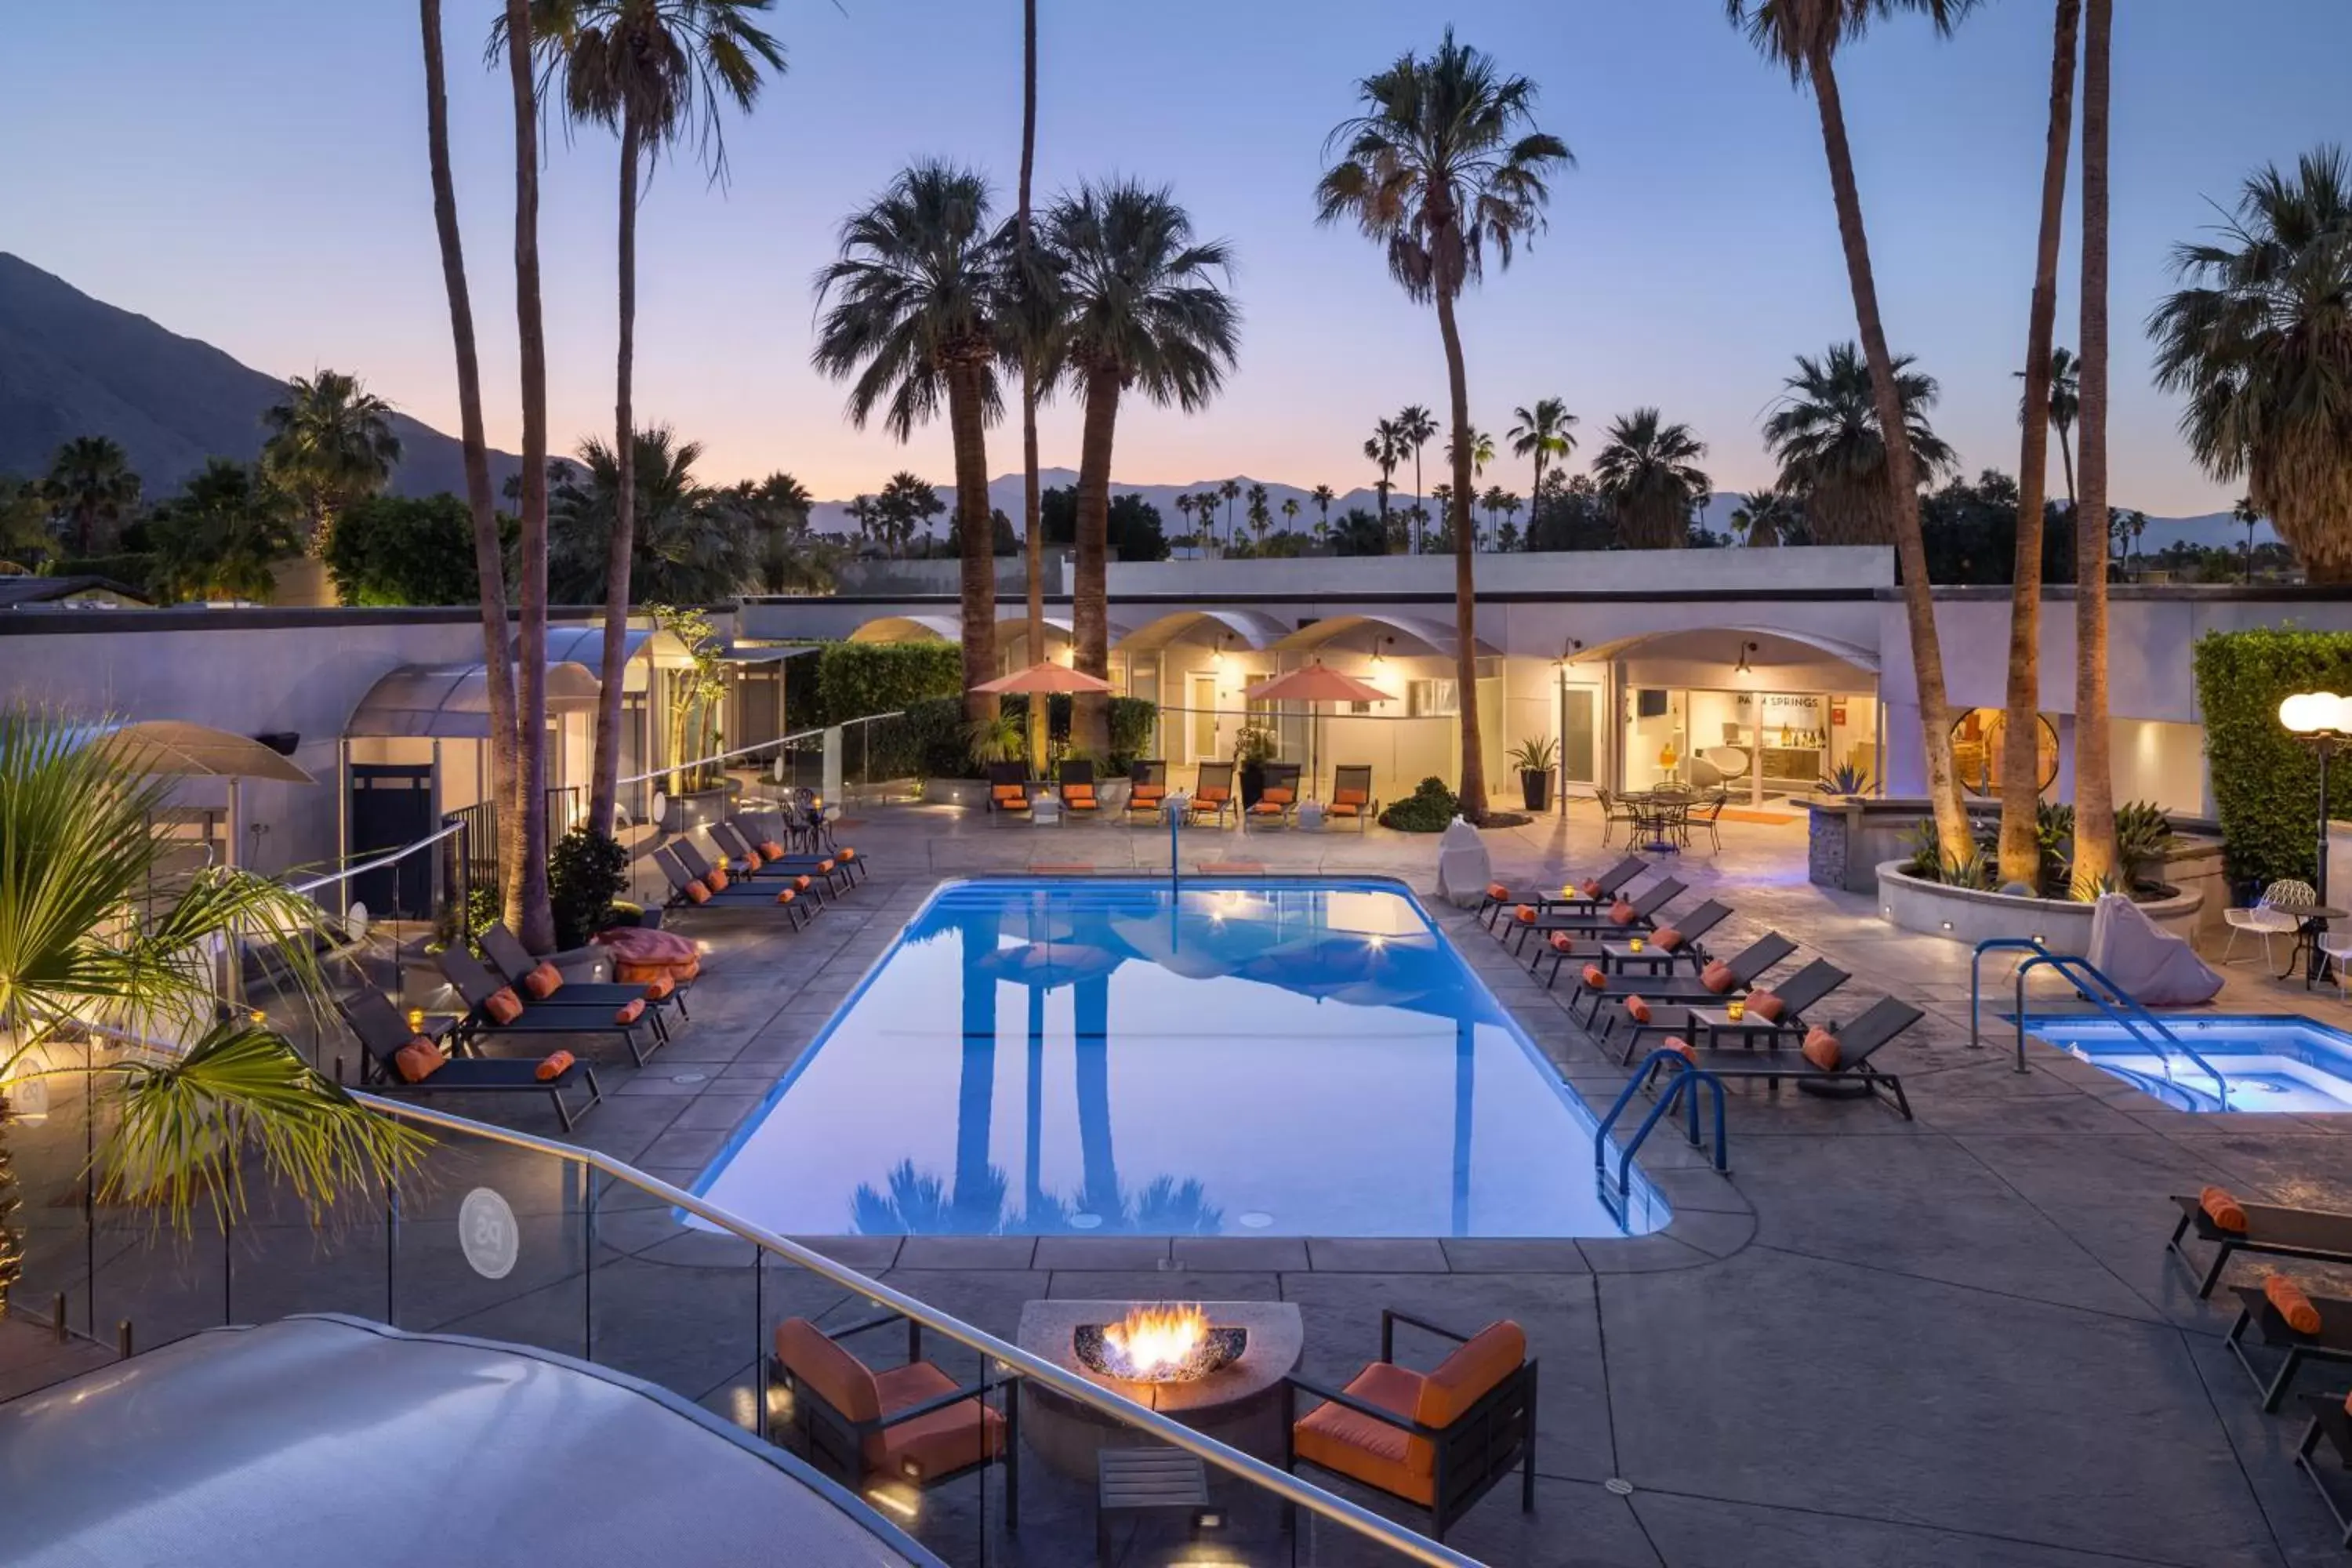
[980, 1186]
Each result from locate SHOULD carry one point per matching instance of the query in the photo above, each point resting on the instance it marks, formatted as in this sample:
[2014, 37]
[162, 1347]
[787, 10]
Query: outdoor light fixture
[1378, 644]
[1743, 667]
[2322, 720]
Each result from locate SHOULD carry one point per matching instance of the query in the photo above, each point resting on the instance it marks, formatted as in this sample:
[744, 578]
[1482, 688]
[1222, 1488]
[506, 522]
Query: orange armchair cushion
[1011, 795]
[1079, 793]
[1823, 1050]
[1143, 793]
[1765, 1005]
[1468, 1375]
[1213, 795]
[1717, 977]
[830, 1372]
[553, 1065]
[1624, 913]
[2223, 1210]
[1281, 795]
[544, 981]
[418, 1060]
[939, 1444]
[503, 1005]
[2286, 1298]
[1386, 1457]
[1351, 796]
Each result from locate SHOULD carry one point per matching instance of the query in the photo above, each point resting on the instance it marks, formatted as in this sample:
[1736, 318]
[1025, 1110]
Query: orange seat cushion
[717, 879]
[938, 1444]
[1079, 793]
[696, 892]
[553, 1065]
[2222, 1209]
[1146, 794]
[503, 1005]
[418, 1060]
[1281, 795]
[1351, 797]
[772, 849]
[1667, 938]
[1638, 1009]
[1765, 1005]
[2290, 1302]
[1717, 977]
[1346, 808]
[1823, 1050]
[1469, 1374]
[1357, 1446]
[544, 981]
[1624, 913]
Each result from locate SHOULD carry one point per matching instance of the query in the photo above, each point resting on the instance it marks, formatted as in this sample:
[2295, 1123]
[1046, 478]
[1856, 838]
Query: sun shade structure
[1047, 677]
[1317, 683]
[452, 701]
[183, 750]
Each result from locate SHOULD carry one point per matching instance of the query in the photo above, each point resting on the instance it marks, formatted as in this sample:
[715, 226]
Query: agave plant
[105, 940]
[1536, 754]
[1843, 779]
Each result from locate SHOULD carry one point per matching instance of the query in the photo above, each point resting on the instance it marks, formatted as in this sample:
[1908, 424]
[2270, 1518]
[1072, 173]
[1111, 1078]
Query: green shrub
[1428, 809]
[1131, 720]
[2265, 783]
[409, 550]
[585, 872]
[855, 679]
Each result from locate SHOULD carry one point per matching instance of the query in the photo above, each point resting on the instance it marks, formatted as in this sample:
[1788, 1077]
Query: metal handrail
[1687, 1076]
[2066, 964]
[393, 857]
[1360, 1520]
[796, 737]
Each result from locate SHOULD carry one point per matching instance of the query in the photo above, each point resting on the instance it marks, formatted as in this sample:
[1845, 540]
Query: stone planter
[1535, 788]
[1970, 916]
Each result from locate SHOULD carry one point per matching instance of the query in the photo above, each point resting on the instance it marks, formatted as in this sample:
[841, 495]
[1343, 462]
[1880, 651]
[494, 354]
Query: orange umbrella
[1315, 683]
[1045, 676]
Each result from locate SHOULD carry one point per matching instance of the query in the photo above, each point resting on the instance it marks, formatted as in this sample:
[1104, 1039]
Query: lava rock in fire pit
[1214, 1349]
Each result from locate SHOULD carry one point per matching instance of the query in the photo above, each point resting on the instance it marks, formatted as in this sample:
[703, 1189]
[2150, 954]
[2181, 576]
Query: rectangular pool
[1271, 1058]
[2276, 1062]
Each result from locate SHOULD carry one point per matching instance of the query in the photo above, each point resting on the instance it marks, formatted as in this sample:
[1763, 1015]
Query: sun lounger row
[1012, 793]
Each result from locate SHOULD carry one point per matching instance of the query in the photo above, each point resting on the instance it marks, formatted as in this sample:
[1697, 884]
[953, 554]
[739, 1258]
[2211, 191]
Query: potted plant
[1535, 759]
[1253, 747]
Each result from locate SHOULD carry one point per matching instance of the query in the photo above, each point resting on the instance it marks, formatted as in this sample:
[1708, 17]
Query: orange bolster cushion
[1561, 943]
[1667, 938]
[1351, 796]
[1717, 977]
[1595, 977]
[629, 1012]
[660, 990]
[1592, 887]
[1765, 1005]
[552, 1065]
[696, 892]
[801, 884]
[753, 858]
[717, 879]
[418, 1060]
[1497, 893]
[2286, 1298]
[824, 867]
[1638, 1009]
[1624, 913]
[544, 981]
[1680, 1046]
[1525, 914]
[787, 895]
[1280, 794]
[1823, 1050]
[502, 1005]
[772, 849]
[845, 853]
[2224, 1211]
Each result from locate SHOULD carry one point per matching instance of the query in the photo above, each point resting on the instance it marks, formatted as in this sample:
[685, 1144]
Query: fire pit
[1216, 1367]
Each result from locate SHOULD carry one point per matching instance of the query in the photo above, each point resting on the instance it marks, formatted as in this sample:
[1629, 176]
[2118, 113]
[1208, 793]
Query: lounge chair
[497, 1009]
[512, 962]
[2318, 1235]
[1147, 790]
[690, 890]
[1669, 946]
[1212, 793]
[1009, 791]
[1856, 1042]
[913, 1424]
[2330, 1419]
[382, 1035]
[742, 857]
[1440, 1439]
[800, 835]
[1527, 919]
[1352, 795]
[1499, 897]
[1807, 988]
[2331, 1343]
[1280, 799]
[1744, 968]
[1076, 778]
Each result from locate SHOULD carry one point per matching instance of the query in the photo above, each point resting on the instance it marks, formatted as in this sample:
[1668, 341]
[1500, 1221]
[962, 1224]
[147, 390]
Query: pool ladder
[2092, 986]
[1683, 1086]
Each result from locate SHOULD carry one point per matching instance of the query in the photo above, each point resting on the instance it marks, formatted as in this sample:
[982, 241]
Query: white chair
[2338, 946]
[2263, 919]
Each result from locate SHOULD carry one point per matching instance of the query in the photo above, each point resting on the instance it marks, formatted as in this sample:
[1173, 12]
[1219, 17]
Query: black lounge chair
[2329, 1419]
[816, 875]
[478, 985]
[1807, 988]
[1610, 882]
[2333, 1342]
[1858, 1041]
[2313, 1234]
[382, 1033]
[1597, 921]
[1074, 781]
[1689, 931]
[511, 962]
[1749, 966]
[1213, 793]
[1352, 795]
[1010, 793]
[1147, 790]
[1278, 801]
[741, 895]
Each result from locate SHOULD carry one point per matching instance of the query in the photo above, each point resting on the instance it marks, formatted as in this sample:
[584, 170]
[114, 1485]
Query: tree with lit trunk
[2095, 783]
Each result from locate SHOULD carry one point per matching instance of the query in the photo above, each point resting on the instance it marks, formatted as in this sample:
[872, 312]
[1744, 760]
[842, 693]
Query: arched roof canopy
[1415, 635]
[452, 701]
[1253, 629]
[585, 645]
[1062, 624]
[1776, 645]
[909, 629]
[185, 749]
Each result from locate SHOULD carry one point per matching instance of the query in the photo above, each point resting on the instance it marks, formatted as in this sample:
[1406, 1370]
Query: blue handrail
[2076, 971]
[1686, 1077]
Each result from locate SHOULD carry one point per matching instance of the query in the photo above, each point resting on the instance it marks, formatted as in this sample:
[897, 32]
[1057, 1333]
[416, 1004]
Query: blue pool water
[1079, 1056]
[2269, 1063]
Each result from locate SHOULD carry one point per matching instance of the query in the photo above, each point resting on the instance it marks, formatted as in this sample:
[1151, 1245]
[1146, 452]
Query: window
[1432, 699]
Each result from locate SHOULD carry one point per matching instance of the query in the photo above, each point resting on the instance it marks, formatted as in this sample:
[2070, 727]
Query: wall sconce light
[1743, 667]
[1379, 643]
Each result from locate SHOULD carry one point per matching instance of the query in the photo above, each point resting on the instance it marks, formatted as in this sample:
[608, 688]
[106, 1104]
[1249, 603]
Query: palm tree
[331, 442]
[1289, 513]
[2248, 514]
[863, 512]
[2095, 782]
[107, 935]
[687, 550]
[91, 487]
[24, 520]
[1416, 425]
[1184, 505]
[772, 522]
[1230, 490]
[219, 537]
[2260, 341]
[1509, 537]
[1802, 36]
[653, 71]
[1544, 433]
[1764, 518]
[1647, 474]
[1032, 361]
[2047, 369]
[1481, 452]
[2065, 404]
[1825, 434]
[1443, 162]
[1260, 519]
[1141, 309]
[1385, 447]
[1491, 502]
[1322, 496]
[489, 546]
[917, 307]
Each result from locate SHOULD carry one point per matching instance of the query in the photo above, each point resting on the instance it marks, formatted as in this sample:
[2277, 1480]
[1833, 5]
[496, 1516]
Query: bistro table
[2310, 920]
[1663, 814]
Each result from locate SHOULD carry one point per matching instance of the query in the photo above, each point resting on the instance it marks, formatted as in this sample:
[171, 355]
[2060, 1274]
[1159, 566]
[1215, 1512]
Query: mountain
[71, 365]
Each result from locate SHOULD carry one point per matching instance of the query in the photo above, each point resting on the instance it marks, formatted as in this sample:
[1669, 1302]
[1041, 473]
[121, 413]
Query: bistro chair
[1280, 799]
[1213, 795]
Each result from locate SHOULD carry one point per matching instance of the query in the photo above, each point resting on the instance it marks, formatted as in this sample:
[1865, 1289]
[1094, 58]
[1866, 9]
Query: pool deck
[1957, 1341]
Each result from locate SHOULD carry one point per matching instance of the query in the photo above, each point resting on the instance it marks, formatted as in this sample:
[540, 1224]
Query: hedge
[855, 679]
[2266, 784]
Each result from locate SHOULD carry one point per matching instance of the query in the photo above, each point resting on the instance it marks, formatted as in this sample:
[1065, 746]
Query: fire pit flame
[1159, 1345]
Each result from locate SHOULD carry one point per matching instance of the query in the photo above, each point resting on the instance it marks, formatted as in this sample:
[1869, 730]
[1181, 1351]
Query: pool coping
[1709, 1218]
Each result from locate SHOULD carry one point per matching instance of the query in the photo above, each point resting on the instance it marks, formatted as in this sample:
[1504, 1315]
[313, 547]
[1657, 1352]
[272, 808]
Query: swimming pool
[1270, 1058]
[2278, 1062]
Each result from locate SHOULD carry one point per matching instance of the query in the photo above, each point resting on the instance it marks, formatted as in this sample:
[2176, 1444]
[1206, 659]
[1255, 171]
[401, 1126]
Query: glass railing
[505, 1237]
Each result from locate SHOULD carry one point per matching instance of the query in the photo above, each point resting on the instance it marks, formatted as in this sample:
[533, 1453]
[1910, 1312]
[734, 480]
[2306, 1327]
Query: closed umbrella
[1315, 683]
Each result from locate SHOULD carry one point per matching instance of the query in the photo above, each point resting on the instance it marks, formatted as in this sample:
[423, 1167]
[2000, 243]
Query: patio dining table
[1663, 815]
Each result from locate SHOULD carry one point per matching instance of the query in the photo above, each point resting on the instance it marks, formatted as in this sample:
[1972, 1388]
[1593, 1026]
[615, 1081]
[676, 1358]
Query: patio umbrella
[1047, 677]
[1315, 683]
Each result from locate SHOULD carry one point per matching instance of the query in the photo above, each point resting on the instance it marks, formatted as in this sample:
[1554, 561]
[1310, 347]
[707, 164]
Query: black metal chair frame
[2329, 1419]
[460, 1075]
[1144, 771]
[2255, 1312]
[2229, 1243]
[1369, 807]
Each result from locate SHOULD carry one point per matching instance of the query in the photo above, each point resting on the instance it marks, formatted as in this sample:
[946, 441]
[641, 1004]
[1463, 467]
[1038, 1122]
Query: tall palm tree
[1443, 162]
[1802, 36]
[91, 489]
[1024, 244]
[2095, 782]
[1648, 473]
[1509, 537]
[1417, 424]
[917, 303]
[1322, 496]
[2258, 338]
[2065, 404]
[1184, 505]
[331, 442]
[24, 520]
[489, 547]
[1385, 447]
[771, 518]
[1230, 490]
[1764, 518]
[867, 517]
[1289, 513]
[1260, 519]
[655, 72]
[1545, 433]
[2247, 515]
[107, 935]
[1142, 309]
[1825, 434]
[687, 548]
[2021, 762]
[219, 537]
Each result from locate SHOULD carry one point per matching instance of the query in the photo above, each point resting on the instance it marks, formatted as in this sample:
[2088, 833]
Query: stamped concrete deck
[1956, 1340]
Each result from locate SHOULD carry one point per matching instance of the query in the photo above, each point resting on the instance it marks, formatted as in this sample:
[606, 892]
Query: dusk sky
[253, 172]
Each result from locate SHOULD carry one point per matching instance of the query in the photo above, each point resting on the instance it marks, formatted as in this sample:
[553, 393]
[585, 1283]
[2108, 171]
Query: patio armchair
[1612, 812]
[1439, 1441]
[910, 1424]
[1076, 777]
[1707, 815]
[1802, 991]
[1213, 795]
[2260, 1230]
[1009, 791]
[539, 980]
[496, 1008]
[1147, 790]
[1352, 795]
[1278, 800]
[2265, 920]
[384, 1037]
[691, 891]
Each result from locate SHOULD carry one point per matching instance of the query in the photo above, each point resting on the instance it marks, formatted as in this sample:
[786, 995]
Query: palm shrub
[104, 939]
[1429, 808]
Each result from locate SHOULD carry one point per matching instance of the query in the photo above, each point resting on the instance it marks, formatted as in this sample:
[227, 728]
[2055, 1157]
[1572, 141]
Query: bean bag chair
[641, 956]
[2156, 968]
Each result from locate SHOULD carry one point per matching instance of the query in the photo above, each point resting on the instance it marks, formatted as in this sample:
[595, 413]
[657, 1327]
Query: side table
[1137, 1482]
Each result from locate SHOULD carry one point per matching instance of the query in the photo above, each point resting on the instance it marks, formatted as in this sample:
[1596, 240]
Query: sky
[253, 172]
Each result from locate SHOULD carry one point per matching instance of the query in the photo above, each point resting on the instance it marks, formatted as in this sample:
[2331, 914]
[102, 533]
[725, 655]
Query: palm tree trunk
[605, 779]
[966, 420]
[1090, 613]
[527, 912]
[1031, 497]
[2067, 459]
[2095, 797]
[489, 553]
[2021, 770]
[1910, 550]
[1473, 792]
